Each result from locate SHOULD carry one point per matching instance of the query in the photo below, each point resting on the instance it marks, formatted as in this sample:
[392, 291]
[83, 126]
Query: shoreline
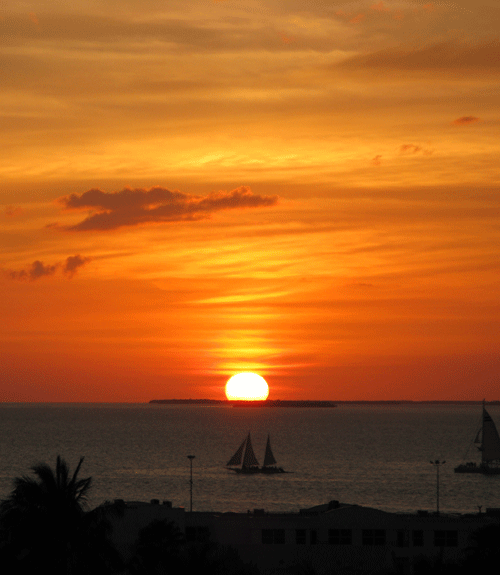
[311, 402]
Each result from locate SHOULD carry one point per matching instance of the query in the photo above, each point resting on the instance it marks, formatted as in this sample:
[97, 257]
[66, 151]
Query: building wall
[345, 538]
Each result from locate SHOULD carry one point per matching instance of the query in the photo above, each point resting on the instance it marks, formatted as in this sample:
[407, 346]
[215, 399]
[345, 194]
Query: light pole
[191, 457]
[437, 465]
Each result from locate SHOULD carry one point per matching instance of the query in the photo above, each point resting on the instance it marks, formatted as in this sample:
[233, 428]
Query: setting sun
[247, 386]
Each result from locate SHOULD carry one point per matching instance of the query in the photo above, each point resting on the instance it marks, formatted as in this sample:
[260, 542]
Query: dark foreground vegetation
[45, 527]
[44, 524]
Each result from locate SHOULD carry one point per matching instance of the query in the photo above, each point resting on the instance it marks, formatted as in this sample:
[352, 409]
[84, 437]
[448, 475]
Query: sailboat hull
[245, 470]
[253, 470]
[273, 470]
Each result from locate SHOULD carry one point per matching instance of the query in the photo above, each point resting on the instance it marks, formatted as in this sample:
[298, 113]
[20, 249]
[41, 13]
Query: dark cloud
[131, 207]
[72, 264]
[464, 120]
[38, 269]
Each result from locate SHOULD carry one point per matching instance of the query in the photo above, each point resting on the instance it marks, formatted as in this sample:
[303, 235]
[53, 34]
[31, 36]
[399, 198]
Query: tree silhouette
[158, 550]
[161, 549]
[212, 559]
[43, 523]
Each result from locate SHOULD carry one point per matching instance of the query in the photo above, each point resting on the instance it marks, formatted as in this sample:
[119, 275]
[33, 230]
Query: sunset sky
[306, 190]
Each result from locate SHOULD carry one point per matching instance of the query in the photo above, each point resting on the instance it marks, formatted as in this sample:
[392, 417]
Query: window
[373, 537]
[446, 538]
[279, 536]
[403, 539]
[418, 538]
[267, 536]
[339, 536]
[273, 536]
[300, 536]
[313, 537]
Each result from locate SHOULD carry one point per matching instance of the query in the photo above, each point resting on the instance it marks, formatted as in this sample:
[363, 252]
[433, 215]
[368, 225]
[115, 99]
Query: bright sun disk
[247, 386]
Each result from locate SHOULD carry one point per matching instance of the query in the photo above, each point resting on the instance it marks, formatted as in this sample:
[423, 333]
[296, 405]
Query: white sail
[490, 448]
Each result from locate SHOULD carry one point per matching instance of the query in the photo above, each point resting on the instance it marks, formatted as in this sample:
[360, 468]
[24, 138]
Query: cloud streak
[12, 211]
[465, 120]
[133, 207]
[414, 149]
[450, 55]
[39, 270]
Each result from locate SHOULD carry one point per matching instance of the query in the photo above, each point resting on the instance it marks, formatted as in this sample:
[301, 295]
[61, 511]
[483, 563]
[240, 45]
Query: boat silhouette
[487, 441]
[244, 460]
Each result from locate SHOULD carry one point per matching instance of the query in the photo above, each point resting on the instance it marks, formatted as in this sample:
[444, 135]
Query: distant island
[310, 402]
[241, 403]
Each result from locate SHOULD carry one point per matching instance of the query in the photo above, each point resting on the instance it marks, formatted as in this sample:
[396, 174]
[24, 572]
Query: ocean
[371, 455]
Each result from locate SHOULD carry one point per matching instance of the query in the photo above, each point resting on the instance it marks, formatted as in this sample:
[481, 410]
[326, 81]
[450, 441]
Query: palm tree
[157, 550]
[44, 523]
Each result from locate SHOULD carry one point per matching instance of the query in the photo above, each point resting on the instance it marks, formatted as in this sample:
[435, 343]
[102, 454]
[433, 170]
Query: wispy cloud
[132, 207]
[380, 7]
[450, 55]
[429, 7]
[357, 19]
[34, 18]
[12, 211]
[409, 148]
[465, 120]
[39, 270]
[414, 149]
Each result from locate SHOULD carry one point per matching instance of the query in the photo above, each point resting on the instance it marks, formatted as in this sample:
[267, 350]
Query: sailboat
[250, 463]
[487, 441]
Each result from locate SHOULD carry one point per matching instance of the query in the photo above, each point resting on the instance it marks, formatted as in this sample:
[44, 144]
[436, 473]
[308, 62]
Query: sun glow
[247, 386]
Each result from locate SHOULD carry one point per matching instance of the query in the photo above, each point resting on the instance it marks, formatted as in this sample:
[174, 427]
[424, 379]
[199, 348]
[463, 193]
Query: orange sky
[307, 190]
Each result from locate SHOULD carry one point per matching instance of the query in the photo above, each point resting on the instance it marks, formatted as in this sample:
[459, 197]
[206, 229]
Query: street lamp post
[191, 457]
[437, 464]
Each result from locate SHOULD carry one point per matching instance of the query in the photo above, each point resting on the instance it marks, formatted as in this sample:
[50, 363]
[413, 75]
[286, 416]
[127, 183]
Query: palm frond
[46, 478]
[79, 488]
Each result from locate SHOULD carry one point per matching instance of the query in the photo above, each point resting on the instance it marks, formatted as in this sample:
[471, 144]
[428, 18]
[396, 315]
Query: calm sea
[370, 455]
